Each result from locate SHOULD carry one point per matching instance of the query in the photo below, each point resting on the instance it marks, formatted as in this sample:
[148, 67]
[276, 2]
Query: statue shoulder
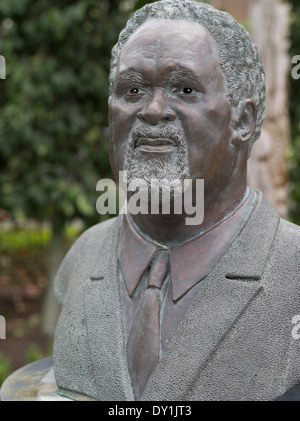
[79, 258]
[287, 248]
[95, 234]
[290, 233]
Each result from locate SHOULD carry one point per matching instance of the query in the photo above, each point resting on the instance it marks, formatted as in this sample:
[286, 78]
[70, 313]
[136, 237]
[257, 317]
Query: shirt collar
[190, 262]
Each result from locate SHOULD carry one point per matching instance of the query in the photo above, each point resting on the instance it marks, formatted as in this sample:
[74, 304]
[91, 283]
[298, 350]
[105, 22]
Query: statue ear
[245, 120]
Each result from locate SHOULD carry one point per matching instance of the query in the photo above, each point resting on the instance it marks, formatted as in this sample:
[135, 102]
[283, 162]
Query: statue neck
[173, 229]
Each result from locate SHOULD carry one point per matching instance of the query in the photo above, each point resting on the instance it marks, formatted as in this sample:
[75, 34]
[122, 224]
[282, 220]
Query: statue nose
[157, 110]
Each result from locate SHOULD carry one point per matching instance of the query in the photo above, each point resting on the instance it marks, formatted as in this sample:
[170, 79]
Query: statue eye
[188, 91]
[134, 94]
[134, 91]
[183, 91]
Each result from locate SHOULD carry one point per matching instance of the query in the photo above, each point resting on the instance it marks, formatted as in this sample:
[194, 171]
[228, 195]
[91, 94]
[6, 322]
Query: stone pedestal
[36, 382]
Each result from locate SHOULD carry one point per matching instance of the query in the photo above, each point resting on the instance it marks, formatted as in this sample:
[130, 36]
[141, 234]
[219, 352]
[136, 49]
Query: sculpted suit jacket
[235, 341]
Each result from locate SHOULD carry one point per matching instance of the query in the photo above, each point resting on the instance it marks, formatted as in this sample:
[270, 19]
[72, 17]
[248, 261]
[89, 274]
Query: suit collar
[257, 234]
[190, 262]
[250, 250]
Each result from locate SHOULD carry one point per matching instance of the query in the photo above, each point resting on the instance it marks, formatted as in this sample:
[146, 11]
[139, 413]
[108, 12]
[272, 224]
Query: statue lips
[156, 145]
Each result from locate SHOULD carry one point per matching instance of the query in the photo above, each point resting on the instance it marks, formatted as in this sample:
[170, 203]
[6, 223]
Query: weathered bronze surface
[184, 52]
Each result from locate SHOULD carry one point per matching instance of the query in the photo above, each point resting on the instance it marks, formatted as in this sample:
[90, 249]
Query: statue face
[168, 112]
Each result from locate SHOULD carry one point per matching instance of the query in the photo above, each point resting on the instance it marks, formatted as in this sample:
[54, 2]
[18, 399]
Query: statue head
[211, 128]
[239, 58]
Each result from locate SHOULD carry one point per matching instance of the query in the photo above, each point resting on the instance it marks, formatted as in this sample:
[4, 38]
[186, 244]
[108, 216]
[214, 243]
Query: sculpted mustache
[160, 133]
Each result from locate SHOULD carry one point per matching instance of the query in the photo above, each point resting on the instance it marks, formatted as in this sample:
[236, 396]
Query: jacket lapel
[103, 312]
[223, 298]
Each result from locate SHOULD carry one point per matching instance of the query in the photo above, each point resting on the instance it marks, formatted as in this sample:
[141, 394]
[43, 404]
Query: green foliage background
[53, 104]
[294, 97]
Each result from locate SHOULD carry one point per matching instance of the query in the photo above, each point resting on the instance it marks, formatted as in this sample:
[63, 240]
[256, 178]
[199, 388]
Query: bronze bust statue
[154, 308]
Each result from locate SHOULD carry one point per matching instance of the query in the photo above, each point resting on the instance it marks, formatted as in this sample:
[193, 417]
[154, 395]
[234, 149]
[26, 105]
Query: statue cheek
[122, 116]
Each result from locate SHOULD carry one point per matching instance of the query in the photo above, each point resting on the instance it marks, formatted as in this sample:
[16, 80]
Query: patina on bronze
[186, 101]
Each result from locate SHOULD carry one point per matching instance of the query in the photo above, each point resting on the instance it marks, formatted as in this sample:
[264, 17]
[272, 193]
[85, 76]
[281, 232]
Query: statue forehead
[180, 26]
[155, 34]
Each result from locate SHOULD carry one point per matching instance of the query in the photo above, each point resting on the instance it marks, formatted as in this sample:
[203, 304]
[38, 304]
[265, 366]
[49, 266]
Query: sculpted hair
[239, 58]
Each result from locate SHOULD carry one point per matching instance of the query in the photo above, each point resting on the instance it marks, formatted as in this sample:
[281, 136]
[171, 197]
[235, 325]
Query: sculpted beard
[169, 169]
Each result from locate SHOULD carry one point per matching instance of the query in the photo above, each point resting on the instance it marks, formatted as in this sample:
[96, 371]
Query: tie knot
[158, 270]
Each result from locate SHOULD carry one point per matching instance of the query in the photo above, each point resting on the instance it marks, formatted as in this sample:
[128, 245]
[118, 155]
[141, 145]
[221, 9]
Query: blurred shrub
[34, 352]
[5, 367]
[294, 96]
[28, 238]
[53, 105]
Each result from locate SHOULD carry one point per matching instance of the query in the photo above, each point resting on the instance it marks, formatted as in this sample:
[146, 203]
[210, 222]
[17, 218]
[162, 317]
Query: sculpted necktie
[143, 345]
